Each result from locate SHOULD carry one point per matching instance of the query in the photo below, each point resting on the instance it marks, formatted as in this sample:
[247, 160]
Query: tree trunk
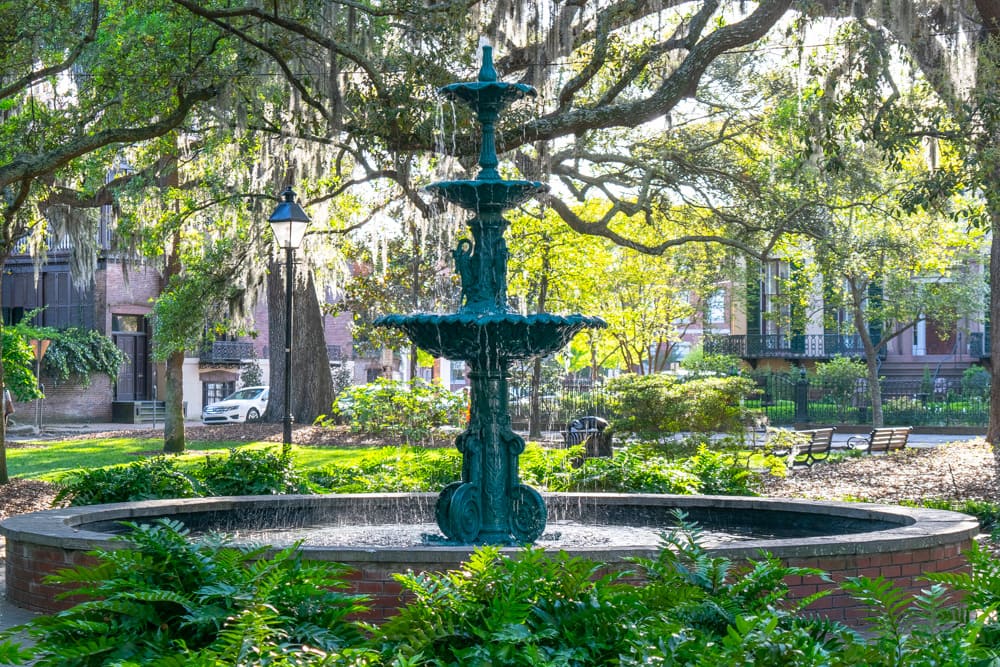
[312, 385]
[4, 476]
[535, 402]
[993, 432]
[173, 425]
[871, 363]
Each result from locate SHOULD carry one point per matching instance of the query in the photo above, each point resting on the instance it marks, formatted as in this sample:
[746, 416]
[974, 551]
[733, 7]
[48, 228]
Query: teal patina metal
[489, 504]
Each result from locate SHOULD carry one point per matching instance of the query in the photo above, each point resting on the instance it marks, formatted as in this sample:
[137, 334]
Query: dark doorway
[129, 334]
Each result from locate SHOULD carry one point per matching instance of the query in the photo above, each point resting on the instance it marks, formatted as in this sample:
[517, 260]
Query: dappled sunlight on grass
[49, 460]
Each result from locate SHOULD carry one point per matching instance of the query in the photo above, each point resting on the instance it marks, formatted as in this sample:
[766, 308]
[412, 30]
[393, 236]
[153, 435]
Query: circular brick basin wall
[844, 539]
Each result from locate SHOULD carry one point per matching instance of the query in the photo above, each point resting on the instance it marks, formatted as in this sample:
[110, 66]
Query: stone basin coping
[904, 528]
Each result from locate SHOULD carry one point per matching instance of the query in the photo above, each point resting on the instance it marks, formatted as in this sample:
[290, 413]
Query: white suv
[245, 405]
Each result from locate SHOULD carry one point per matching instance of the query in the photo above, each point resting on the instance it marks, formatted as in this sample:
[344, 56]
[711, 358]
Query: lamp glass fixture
[289, 221]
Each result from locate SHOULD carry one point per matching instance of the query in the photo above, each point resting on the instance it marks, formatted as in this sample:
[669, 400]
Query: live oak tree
[335, 82]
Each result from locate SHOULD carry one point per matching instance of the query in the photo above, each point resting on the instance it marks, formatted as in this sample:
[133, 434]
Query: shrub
[251, 472]
[409, 410]
[80, 353]
[391, 471]
[628, 471]
[840, 378]
[976, 382]
[721, 474]
[174, 601]
[146, 479]
[654, 405]
[697, 361]
[534, 610]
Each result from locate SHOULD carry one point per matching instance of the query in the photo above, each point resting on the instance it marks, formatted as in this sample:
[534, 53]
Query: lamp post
[288, 222]
[39, 346]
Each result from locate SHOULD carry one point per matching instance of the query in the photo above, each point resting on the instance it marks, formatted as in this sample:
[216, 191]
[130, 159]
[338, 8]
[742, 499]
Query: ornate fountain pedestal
[489, 504]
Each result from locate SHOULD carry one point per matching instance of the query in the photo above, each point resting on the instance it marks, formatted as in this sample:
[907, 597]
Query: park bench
[818, 447]
[813, 444]
[591, 432]
[880, 439]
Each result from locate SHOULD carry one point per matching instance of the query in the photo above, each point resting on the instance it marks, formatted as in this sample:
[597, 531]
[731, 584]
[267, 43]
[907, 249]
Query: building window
[372, 373]
[717, 307]
[13, 316]
[458, 372]
[213, 392]
[127, 324]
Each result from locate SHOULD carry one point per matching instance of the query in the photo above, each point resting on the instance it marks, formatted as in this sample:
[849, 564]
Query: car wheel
[253, 415]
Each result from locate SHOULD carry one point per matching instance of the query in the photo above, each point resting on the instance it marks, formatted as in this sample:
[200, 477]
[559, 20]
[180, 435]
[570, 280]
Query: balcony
[776, 346]
[226, 352]
[979, 345]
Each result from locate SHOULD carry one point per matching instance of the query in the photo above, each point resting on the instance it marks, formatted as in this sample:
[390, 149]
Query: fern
[219, 603]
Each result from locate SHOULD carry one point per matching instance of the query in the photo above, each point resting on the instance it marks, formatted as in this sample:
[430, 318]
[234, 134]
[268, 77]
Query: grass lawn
[50, 460]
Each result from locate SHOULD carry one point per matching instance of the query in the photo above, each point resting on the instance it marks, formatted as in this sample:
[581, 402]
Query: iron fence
[787, 398]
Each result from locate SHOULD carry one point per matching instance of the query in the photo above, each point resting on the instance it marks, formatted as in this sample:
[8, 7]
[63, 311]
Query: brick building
[116, 304]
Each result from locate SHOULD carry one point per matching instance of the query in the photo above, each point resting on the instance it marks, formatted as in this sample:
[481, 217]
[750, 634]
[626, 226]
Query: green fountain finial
[487, 72]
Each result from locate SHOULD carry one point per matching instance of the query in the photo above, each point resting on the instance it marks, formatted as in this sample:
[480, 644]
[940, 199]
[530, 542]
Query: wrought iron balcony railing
[226, 352]
[775, 346]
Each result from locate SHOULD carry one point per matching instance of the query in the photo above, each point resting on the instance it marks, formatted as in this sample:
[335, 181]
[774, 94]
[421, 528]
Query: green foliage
[926, 629]
[250, 472]
[720, 364]
[172, 600]
[976, 382]
[840, 377]
[243, 471]
[18, 364]
[145, 479]
[80, 353]
[655, 405]
[720, 473]
[404, 469]
[534, 610]
[409, 410]
[252, 375]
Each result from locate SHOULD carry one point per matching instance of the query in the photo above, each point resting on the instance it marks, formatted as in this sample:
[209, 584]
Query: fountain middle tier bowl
[490, 337]
[487, 195]
[482, 94]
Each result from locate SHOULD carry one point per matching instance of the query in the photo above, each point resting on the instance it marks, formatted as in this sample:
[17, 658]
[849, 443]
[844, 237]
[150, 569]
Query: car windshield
[244, 395]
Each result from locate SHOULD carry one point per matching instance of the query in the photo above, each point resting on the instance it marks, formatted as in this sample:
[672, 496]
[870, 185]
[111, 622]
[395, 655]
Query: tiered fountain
[489, 505]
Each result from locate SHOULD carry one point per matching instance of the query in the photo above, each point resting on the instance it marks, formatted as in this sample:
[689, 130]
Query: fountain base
[845, 539]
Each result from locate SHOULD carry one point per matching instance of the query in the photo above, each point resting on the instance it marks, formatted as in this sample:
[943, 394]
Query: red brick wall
[28, 564]
[70, 401]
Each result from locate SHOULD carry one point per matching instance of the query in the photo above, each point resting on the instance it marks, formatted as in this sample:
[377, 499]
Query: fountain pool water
[846, 539]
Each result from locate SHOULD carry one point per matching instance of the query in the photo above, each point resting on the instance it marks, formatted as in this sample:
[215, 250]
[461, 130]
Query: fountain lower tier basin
[845, 539]
[490, 337]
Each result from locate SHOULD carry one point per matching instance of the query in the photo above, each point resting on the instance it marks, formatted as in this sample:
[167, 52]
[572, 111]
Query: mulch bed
[957, 471]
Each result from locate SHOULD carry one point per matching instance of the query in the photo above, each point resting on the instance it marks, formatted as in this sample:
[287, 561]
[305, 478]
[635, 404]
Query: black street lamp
[288, 222]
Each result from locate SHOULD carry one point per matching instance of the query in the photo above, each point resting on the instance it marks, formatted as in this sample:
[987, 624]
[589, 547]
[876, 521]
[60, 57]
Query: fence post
[802, 397]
